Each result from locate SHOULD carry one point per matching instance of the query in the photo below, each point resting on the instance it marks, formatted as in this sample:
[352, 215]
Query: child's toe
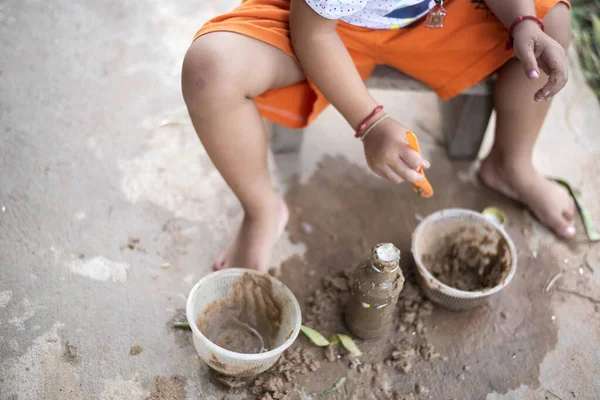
[568, 232]
[563, 224]
[219, 265]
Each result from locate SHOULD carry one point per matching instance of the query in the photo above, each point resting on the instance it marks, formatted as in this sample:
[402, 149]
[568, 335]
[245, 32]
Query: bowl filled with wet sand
[463, 259]
[242, 320]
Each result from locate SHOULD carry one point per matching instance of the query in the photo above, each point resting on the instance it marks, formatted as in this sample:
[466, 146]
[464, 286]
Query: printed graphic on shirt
[412, 11]
[374, 14]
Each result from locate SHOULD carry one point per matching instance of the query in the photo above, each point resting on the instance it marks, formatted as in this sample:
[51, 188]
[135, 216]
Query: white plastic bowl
[434, 228]
[214, 287]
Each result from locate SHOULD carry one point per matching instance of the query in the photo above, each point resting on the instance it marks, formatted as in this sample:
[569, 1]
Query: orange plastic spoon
[422, 188]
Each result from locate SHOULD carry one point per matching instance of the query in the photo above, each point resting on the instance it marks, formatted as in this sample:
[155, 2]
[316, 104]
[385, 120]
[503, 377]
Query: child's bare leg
[221, 74]
[509, 167]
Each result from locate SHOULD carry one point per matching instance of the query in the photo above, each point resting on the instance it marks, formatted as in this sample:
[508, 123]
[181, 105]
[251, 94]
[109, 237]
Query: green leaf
[338, 386]
[591, 63]
[596, 61]
[592, 234]
[596, 28]
[181, 325]
[333, 339]
[349, 345]
[314, 336]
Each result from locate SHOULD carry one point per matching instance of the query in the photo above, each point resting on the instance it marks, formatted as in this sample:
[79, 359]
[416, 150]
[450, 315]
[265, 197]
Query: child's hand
[389, 156]
[537, 50]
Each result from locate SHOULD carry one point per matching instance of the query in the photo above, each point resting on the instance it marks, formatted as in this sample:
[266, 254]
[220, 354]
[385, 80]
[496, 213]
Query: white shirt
[373, 14]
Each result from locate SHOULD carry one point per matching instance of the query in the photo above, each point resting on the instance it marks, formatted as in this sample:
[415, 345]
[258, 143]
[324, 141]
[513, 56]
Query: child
[243, 66]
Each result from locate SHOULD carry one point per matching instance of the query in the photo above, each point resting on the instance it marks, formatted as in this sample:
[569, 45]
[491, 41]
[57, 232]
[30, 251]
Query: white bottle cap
[387, 252]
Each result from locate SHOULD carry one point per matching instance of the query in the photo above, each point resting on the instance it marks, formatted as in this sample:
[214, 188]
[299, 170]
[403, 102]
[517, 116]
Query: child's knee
[558, 24]
[204, 77]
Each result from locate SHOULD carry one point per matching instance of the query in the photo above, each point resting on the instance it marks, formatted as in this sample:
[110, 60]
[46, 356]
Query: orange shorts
[469, 48]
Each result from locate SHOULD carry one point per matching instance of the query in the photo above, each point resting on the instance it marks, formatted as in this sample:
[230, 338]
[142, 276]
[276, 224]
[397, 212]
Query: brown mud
[463, 264]
[70, 353]
[172, 388]
[136, 349]
[248, 320]
[280, 381]
[350, 210]
[447, 354]
[133, 244]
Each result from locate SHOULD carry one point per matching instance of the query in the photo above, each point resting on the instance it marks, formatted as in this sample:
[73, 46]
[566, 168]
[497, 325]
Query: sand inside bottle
[248, 320]
[376, 285]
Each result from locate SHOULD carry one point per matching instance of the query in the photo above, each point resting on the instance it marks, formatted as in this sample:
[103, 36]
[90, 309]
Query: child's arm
[328, 64]
[532, 46]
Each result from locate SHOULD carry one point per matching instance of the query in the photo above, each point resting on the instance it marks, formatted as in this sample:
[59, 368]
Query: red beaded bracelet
[517, 21]
[363, 125]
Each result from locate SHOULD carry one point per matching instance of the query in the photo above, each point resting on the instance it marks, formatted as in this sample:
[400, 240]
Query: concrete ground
[103, 184]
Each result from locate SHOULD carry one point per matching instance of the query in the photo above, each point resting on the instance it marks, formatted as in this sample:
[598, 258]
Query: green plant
[586, 36]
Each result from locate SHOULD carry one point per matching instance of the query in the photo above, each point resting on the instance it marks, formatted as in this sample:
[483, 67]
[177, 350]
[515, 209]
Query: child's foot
[549, 201]
[254, 242]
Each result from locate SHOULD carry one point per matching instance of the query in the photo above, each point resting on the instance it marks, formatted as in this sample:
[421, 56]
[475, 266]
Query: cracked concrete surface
[96, 148]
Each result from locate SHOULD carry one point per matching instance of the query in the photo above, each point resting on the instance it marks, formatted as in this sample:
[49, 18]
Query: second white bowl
[214, 287]
[446, 222]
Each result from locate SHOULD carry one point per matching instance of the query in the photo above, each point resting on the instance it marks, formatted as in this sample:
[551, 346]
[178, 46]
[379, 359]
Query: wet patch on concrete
[41, 372]
[349, 211]
[178, 240]
[21, 313]
[5, 297]
[176, 174]
[120, 388]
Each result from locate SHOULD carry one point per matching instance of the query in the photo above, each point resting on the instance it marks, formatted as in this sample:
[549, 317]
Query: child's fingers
[406, 172]
[411, 158]
[525, 51]
[389, 174]
[557, 76]
[553, 86]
